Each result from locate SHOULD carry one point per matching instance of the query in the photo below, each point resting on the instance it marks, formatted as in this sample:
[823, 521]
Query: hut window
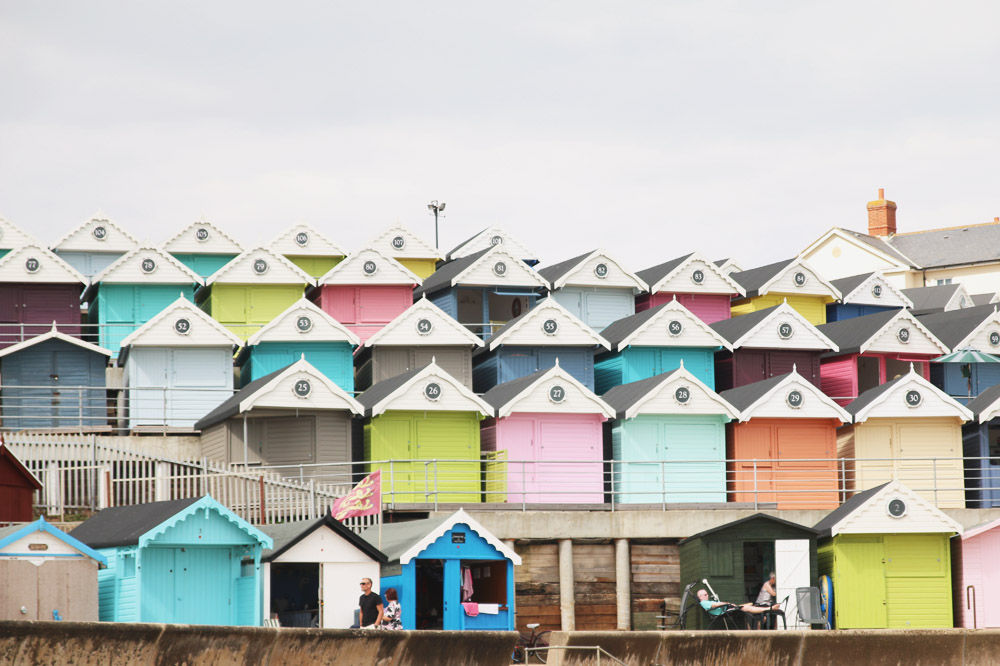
[489, 580]
[994, 445]
[128, 566]
[720, 559]
[246, 568]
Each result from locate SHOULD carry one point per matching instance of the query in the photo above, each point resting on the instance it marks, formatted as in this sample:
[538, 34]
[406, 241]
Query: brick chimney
[881, 216]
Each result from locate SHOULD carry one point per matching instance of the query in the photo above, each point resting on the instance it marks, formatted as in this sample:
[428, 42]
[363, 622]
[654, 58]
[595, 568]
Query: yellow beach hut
[792, 281]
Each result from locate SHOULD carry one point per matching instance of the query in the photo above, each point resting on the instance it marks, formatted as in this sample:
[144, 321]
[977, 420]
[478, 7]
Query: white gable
[12, 236]
[325, 545]
[304, 321]
[959, 300]
[905, 334]
[493, 237]
[97, 234]
[459, 517]
[303, 240]
[599, 269]
[876, 290]
[556, 392]
[548, 324]
[301, 386]
[661, 330]
[500, 268]
[698, 275]
[369, 266]
[918, 516]
[795, 398]
[202, 237]
[54, 334]
[680, 392]
[837, 254]
[33, 263]
[799, 278]
[181, 324]
[731, 266]
[433, 390]
[400, 243]
[985, 337]
[259, 266]
[785, 328]
[913, 397]
[147, 265]
[424, 324]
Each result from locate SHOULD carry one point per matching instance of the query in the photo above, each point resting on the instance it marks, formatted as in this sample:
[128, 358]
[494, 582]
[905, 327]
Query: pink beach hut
[976, 576]
[544, 443]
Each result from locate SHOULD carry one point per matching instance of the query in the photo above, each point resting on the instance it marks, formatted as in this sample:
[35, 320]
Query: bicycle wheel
[541, 641]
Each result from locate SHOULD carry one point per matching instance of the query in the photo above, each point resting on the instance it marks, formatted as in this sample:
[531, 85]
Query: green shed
[737, 557]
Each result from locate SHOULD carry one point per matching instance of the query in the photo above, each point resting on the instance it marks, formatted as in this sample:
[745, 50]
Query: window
[128, 566]
[941, 282]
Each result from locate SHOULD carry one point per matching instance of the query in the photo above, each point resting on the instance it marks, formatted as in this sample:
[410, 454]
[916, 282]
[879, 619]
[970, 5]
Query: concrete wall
[85, 644]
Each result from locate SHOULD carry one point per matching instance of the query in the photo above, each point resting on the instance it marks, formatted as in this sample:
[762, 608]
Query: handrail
[973, 589]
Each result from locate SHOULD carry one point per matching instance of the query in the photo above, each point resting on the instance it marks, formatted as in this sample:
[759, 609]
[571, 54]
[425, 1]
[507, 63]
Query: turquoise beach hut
[203, 247]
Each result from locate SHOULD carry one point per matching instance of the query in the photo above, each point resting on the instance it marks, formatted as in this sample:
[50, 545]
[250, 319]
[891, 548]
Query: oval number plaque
[794, 399]
[913, 398]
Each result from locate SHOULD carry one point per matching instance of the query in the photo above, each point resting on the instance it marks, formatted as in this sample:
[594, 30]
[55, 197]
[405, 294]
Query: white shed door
[791, 567]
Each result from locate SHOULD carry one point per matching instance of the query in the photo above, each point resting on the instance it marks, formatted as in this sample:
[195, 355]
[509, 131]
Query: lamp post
[436, 208]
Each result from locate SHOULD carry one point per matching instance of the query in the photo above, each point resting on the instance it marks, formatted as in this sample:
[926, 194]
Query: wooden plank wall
[536, 586]
[656, 571]
[594, 587]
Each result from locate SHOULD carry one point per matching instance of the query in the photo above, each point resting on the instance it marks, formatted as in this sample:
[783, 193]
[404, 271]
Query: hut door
[750, 367]
[791, 567]
[859, 576]
[989, 591]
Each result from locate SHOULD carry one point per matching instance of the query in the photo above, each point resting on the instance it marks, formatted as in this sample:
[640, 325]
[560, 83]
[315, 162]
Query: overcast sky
[652, 129]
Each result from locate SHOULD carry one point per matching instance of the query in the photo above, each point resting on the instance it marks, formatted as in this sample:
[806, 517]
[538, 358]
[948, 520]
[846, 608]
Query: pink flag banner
[364, 499]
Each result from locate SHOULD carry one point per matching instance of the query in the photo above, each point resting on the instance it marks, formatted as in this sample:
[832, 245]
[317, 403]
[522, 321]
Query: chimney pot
[881, 216]
[881, 193]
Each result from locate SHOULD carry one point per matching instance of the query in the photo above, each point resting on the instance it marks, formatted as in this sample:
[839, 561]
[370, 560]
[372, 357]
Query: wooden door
[753, 478]
[791, 568]
[806, 470]
[749, 366]
[859, 598]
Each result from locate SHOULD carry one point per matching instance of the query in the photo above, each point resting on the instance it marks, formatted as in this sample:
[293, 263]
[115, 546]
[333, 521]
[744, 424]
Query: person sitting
[720, 607]
[768, 594]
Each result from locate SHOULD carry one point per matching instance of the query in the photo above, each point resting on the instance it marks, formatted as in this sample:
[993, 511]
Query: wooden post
[263, 507]
[567, 597]
[623, 584]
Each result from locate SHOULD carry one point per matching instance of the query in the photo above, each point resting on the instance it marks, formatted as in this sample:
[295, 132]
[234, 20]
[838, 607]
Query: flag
[364, 499]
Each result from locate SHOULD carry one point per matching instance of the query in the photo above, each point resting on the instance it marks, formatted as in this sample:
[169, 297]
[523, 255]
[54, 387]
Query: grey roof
[10, 529]
[510, 324]
[955, 325]
[556, 271]
[457, 247]
[755, 278]
[623, 396]
[850, 334]
[742, 397]
[825, 526]
[869, 396]
[721, 262]
[734, 328]
[286, 535]
[442, 277]
[757, 516]
[930, 299]
[620, 329]
[879, 244]
[984, 400]
[501, 394]
[385, 388]
[231, 406]
[656, 273]
[397, 538]
[123, 525]
[846, 285]
[982, 299]
[949, 247]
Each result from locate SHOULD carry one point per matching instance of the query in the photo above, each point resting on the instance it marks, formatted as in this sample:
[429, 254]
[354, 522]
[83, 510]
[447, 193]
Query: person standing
[392, 618]
[370, 605]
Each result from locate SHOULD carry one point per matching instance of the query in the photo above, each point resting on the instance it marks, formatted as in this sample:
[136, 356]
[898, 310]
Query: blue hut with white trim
[865, 294]
[92, 246]
[595, 287]
[188, 561]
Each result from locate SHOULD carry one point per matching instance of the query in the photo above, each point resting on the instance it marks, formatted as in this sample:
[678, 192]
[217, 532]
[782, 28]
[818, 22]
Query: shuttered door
[390, 441]
[639, 363]
[118, 310]
[918, 581]
[754, 453]
[230, 307]
[450, 436]
[577, 362]
[146, 397]
[638, 477]
[696, 468]
[380, 305]
[750, 366]
[781, 362]
[859, 579]
[605, 306]
[47, 303]
[812, 308]
[76, 405]
[564, 471]
[289, 441]
[806, 474]
[204, 586]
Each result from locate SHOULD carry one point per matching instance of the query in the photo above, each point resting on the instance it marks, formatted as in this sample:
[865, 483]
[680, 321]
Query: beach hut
[92, 246]
[17, 488]
[654, 341]
[595, 287]
[533, 341]
[544, 443]
[251, 290]
[133, 290]
[491, 237]
[886, 550]
[872, 350]
[54, 381]
[311, 573]
[187, 561]
[668, 440]
[47, 574]
[301, 330]
[13, 237]
[449, 573]
[784, 447]
[308, 249]
[792, 281]
[484, 290]
[981, 448]
[408, 249]
[421, 333]
[768, 343]
[737, 557]
[176, 366]
[939, 298]
[203, 247]
[419, 417]
[366, 291]
[865, 294]
[975, 328]
[906, 429]
[36, 289]
[729, 265]
[976, 589]
[700, 285]
[293, 416]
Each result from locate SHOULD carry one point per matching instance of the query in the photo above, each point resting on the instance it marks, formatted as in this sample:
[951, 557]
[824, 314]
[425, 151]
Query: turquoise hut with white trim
[203, 247]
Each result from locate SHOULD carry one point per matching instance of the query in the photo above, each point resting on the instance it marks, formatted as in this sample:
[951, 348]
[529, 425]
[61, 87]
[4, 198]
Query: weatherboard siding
[842, 311]
[812, 308]
[513, 362]
[335, 360]
[710, 308]
[596, 307]
[635, 363]
[364, 309]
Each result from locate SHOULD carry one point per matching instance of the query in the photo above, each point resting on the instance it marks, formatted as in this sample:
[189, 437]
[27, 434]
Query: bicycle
[535, 640]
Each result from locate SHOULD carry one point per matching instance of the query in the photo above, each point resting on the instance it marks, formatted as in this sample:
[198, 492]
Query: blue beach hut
[594, 287]
[189, 561]
[449, 573]
[972, 328]
[203, 247]
[981, 448]
[865, 294]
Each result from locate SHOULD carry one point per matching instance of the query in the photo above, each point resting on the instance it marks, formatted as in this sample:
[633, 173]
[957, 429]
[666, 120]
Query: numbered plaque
[303, 324]
[682, 394]
[896, 507]
[698, 276]
[31, 264]
[785, 330]
[424, 326]
[903, 335]
[913, 398]
[877, 290]
[557, 394]
[995, 338]
[799, 279]
[201, 234]
[148, 265]
[260, 266]
[601, 270]
[432, 391]
[182, 326]
[794, 398]
[550, 327]
[369, 267]
[500, 269]
[496, 240]
[675, 327]
[398, 243]
[100, 233]
[302, 239]
[302, 388]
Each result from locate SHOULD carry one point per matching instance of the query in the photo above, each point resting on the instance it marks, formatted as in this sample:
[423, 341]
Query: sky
[649, 129]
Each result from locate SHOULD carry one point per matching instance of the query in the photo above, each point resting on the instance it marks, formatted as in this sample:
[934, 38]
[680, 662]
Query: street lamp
[436, 208]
